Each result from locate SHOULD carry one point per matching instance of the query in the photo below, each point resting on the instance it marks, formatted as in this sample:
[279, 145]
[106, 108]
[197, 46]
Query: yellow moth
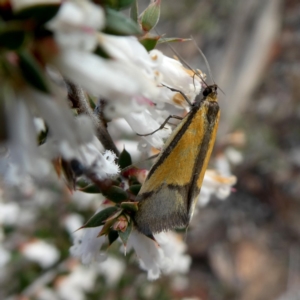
[169, 194]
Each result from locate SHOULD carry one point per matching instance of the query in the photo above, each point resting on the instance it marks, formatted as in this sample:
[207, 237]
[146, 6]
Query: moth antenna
[205, 60]
[206, 63]
[221, 91]
[184, 61]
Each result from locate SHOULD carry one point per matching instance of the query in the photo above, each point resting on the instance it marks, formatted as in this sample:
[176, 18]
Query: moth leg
[181, 93]
[162, 125]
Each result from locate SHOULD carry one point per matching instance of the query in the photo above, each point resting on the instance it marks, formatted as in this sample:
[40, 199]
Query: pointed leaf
[118, 24]
[172, 39]
[32, 72]
[4, 131]
[135, 188]
[41, 13]
[125, 235]
[149, 42]
[133, 206]
[134, 11]
[91, 189]
[118, 4]
[91, 102]
[124, 159]
[112, 236]
[116, 194]
[114, 216]
[82, 183]
[106, 228]
[12, 38]
[150, 15]
[100, 217]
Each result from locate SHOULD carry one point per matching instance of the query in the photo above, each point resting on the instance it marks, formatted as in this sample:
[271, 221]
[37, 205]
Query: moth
[168, 197]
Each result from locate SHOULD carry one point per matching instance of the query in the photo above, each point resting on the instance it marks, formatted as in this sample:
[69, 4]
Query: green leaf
[32, 72]
[12, 38]
[118, 4]
[149, 42]
[118, 24]
[112, 236]
[4, 98]
[125, 235]
[91, 189]
[124, 159]
[132, 206]
[41, 13]
[134, 11]
[100, 217]
[172, 39]
[116, 194]
[82, 183]
[107, 227]
[135, 188]
[150, 15]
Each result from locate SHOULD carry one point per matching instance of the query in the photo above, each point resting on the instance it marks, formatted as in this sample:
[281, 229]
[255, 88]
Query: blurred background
[246, 247]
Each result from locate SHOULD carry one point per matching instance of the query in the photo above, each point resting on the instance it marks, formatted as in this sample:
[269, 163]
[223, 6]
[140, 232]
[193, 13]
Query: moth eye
[207, 91]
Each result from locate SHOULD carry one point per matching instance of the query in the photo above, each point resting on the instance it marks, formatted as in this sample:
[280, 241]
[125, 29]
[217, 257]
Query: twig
[78, 98]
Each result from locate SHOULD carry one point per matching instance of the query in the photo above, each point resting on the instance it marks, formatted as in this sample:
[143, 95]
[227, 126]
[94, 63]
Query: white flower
[128, 49]
[110, 79]
[101, 165]
[165, 256]
[41, 252]
[23, 156]
[76, 284]
[76, 25]
[87, 245]
[112, 269]
[174, 75]
[144, 123]
[9, 213]
[234, 156]
[174, 248]
[72, 222]
[69, 137]
[5, 257]
[215, 184]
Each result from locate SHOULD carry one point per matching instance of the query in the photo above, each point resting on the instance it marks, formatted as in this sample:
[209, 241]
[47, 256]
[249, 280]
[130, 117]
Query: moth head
[210, 92]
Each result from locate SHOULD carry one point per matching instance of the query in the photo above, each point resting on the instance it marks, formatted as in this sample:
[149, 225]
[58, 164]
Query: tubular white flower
[101, 165]
[112, 269]
[174, 248]
[128, 49]
[41, 252]
[5, 257]
[76, 25]
[75, 285]
[215, 184]
[174, 75]
[144, 123]
[166, 256]
[23, 156]
[112, 80]
[150, 255]
[9, 213]
[87, 245]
